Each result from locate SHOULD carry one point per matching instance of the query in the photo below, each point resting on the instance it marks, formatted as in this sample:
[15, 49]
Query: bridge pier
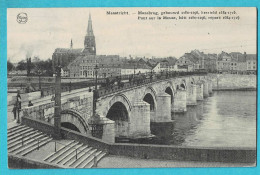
[192, 95]
[108, 130]
[180, 101]
[139, 125]
[163, 111]
[199, 91]
[205, 89]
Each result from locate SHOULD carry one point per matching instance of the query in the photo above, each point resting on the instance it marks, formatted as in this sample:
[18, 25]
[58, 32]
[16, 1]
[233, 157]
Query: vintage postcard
[133, 87]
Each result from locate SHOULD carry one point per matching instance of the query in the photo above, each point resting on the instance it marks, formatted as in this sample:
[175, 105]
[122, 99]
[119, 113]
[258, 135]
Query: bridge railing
[139, 81]
[136, 80]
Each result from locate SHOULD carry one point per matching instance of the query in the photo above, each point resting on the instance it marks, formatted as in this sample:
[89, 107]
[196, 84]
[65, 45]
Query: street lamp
[57, 103]
[95, 91]
[39, 74]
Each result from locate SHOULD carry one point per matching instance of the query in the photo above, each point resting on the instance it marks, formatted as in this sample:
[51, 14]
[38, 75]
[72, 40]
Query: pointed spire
[71, 44]
[90, 30]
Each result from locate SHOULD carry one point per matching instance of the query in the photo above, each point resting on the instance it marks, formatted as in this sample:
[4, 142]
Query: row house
[105, 71]
[85, 65]
[236, 62]
[210, 63]
[224, 62]
[131, 69]
[190, 61]
[251, 63]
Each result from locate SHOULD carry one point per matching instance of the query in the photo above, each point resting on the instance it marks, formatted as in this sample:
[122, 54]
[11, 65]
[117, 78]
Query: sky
[124, 35]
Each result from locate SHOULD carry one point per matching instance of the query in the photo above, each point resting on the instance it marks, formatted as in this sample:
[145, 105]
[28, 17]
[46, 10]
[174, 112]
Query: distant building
[251, 63]
[68, 55]
[128, 69]
[84, 66]
[223, 63]
[65, 72]
[156, 68]
[210, 63]
[189, 62]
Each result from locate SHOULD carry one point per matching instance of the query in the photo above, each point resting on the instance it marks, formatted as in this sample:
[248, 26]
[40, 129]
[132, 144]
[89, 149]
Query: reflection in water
[226, 119]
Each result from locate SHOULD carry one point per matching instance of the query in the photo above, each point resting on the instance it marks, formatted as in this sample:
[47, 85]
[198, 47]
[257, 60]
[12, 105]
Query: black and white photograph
[131, 87]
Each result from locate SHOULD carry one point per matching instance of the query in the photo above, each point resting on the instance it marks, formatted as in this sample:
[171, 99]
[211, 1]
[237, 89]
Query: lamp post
[95, 91]
[57, 103]
[39, 74]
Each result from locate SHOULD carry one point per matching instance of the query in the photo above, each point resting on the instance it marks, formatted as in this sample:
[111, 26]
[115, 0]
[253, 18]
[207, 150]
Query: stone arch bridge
[133, 109]
[129, 111]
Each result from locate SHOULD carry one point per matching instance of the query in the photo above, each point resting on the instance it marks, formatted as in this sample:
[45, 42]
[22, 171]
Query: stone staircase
[75, 155]
[23, 140]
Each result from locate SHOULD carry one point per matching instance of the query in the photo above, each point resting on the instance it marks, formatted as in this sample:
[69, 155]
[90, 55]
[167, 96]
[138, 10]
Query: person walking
[30, 104]
[14, 111]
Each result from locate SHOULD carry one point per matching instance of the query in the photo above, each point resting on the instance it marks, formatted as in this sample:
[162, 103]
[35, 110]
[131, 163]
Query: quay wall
[149, 151]
[233, 81]
[20, 162]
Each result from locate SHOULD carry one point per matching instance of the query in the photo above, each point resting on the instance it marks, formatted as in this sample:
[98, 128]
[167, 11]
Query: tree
[29, 66]
[22, 65]
[45, 66]
[10, 66]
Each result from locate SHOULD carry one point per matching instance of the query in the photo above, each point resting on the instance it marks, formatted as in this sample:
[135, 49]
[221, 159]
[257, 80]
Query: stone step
[19, 137]
[19, 151]
[90, 160]
[61, 149]
[73, 155]
[15, 128]
[19, 133]
[42, 143]
[99, 157]
[73, 159]
[26, 140]
[71, 150]
[84, 156]
[62, 152]
[83, 159]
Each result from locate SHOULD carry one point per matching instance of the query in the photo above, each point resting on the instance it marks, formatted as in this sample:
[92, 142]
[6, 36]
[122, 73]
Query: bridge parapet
[81, 103]
[157, 78]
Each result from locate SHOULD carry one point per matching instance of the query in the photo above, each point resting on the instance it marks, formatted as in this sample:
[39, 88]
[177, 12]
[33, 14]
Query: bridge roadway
[129, 111]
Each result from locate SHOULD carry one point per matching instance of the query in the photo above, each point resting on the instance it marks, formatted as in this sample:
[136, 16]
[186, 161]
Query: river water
[225, 119]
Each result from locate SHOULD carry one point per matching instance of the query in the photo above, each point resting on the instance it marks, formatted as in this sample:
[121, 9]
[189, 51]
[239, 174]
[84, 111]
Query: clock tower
[89, 43]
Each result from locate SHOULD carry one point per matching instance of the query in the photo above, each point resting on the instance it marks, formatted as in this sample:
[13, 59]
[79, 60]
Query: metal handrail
[55, 147]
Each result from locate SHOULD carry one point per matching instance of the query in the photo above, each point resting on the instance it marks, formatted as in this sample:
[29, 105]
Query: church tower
[89, 43]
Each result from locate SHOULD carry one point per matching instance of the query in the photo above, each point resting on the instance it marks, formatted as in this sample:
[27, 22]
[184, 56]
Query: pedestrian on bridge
[14, 111]
[30, 104]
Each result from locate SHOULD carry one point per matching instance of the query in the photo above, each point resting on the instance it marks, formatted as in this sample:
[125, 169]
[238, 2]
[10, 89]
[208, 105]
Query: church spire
[89, 43]
[90, 30]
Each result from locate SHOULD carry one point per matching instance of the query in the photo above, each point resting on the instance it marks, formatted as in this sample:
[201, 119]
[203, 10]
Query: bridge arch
[170, 91]
[73, 120]
[118, 110]
[150, 97]
[119, 98]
